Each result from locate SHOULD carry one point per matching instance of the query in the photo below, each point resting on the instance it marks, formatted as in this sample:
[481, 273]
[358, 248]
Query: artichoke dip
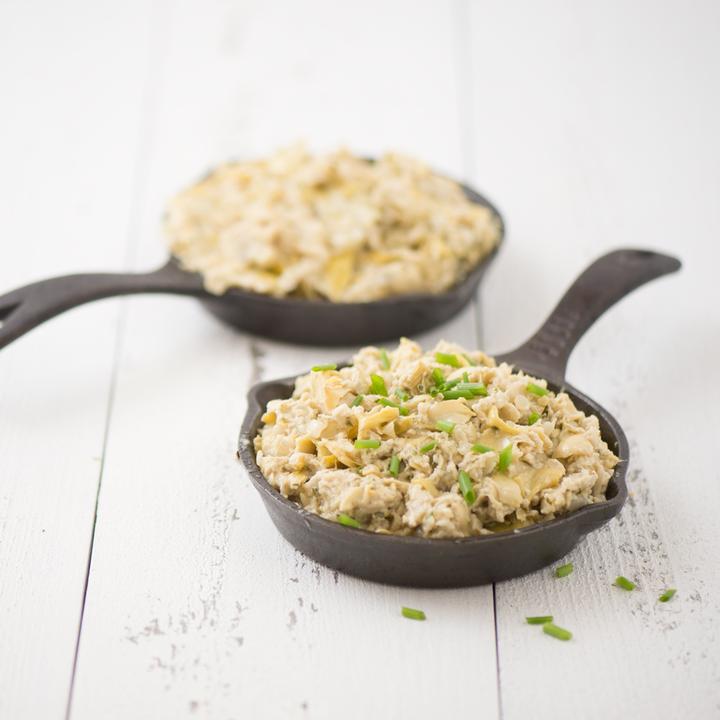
[336, 227]
[441, 444]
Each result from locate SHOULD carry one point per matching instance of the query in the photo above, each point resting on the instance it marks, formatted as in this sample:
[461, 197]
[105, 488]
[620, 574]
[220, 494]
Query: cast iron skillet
[423, 562]
[313, 322]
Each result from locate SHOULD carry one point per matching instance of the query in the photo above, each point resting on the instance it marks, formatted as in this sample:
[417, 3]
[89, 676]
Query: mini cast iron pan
[423, 562]
[311, 322]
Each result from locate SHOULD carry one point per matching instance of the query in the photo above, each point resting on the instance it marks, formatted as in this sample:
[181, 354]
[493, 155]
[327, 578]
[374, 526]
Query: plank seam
[106, 434]
[157, 44]
[497, 653]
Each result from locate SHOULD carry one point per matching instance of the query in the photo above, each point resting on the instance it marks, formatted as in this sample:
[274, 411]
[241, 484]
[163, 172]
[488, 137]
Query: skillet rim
[605, 510]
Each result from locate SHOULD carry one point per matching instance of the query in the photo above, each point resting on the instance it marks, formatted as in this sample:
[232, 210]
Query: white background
[139, 574]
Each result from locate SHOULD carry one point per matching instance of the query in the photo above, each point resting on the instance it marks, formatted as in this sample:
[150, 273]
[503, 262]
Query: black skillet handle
[607, 280]
[27, 307]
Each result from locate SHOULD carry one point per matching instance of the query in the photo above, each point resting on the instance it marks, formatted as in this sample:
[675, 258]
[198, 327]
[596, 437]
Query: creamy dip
[335, 227]
[440, 444]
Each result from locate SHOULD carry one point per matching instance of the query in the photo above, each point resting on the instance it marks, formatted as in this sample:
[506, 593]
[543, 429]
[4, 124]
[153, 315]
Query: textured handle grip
[27, 307]
[607, 280]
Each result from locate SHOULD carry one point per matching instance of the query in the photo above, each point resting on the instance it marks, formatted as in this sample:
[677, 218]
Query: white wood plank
[597, 129]
[195, 604]
[71, 82]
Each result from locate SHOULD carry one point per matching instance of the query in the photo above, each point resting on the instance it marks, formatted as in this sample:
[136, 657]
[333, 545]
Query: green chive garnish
[448, 359]
[394, 465]
[556, 632]
[539, 619]
[367, 444]
[474, 388]
[384, 360]
[413, 614]
[321, 368]
[402, 394]
[446, 426]
[624, 583]
[427, 448]
[667, 595]
[466, 487]
[390, 403]
[505, 458]
[466, 377]
[455, 394]
[357, 401]
[533, 418]
[438, 377]
[344, 519]
[564, 570]
[377, 385]
[463, 390]
[478, 448]
[536, 389]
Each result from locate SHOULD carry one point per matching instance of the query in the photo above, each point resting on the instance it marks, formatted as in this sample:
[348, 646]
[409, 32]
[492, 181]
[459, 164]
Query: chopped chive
[456, 394]
[446, 426]
[466, 377]
[447, 386]
[444, 387]
[533, 418]
[437, 376]
[367, 444]
[564, 570]
[539, 619]
[667, 595]
[321, 368]
[624, 583]
[556, 632]
[384, 359]
[474, 388]
[390, 403]
[344, 519]
[505, 458]
[466, 390]
[427, 448]
[394, 465]
[377, 385]
[402, 394]
[478, 448]
[536, 389]
[448, 359]
[413, 614]
[357, 401]
[466, 487]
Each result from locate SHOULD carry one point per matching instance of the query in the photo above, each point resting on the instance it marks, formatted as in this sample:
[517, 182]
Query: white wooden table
[139, 574]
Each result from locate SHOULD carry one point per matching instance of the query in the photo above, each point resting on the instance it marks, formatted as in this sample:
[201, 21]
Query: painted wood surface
[591, 126]
[619, 151]
[71, 80]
